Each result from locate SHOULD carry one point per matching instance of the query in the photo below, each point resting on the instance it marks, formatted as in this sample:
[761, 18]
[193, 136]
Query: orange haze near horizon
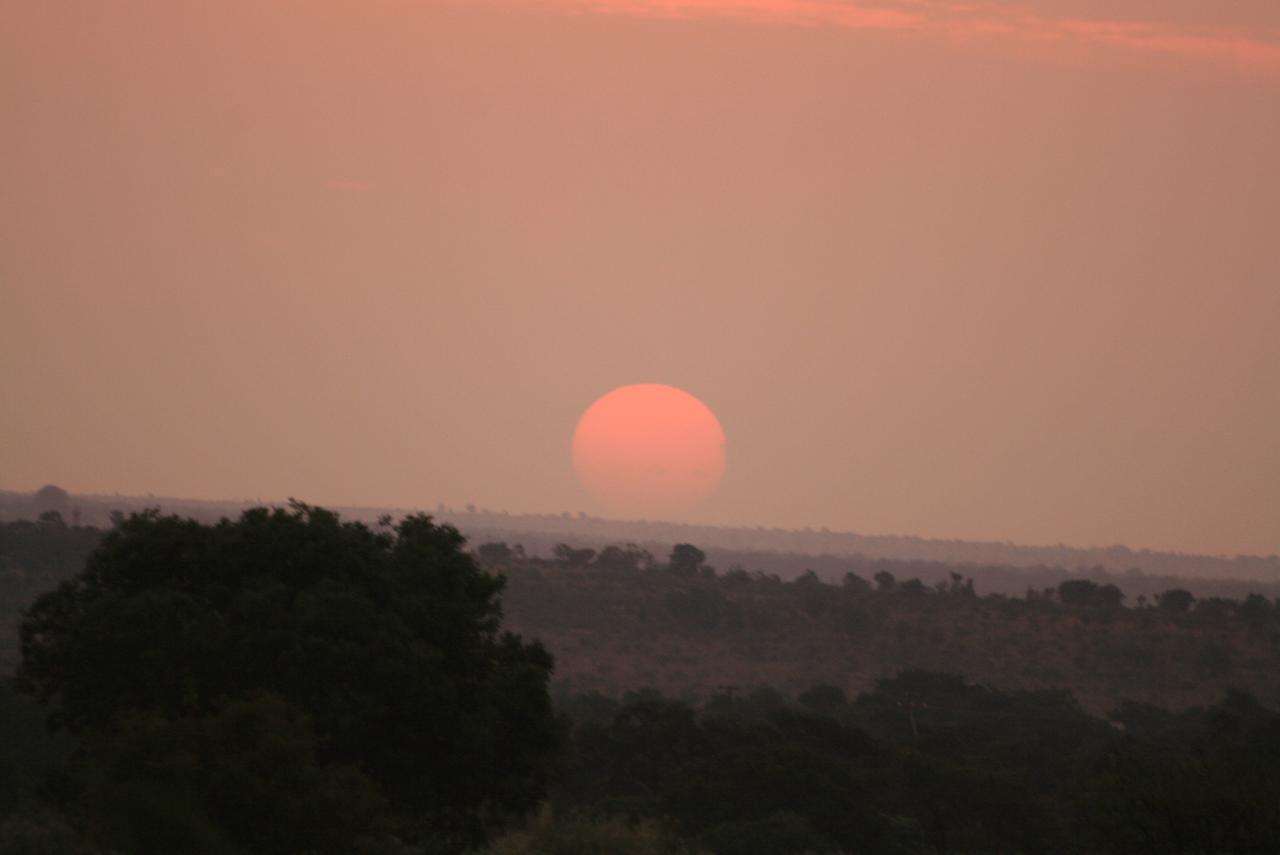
[1000, 270]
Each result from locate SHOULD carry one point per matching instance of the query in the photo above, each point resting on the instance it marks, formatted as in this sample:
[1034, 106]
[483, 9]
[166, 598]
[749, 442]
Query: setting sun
[649, 450]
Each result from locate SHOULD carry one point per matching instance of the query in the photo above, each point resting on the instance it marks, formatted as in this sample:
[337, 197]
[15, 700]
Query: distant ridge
[538, 532]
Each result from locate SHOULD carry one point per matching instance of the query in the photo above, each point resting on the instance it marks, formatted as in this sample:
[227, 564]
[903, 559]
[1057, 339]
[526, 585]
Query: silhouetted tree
[854, 582]
[1255, 609]
[1176, 601]
[52, 518]
[913, 587]
[495, 554]
[51, 498]
[1083, 592]
[628, 558]
[570, 557]
[686, 559]
[384, 644]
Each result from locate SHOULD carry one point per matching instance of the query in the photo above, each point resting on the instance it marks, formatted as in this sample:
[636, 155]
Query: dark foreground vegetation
[292, 683]
[288, 683]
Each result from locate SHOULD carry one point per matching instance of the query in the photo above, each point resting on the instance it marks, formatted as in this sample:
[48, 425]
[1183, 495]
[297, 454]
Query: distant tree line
[999, 567]
[620, 618]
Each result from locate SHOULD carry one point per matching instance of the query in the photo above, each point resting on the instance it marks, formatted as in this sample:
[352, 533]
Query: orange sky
[997, 270]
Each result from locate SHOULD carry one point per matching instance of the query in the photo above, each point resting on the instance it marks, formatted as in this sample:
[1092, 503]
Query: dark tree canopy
[686, 559]
[385, 642]
[566, 554]
[51, 497]
[1083, 592]
[496, 554]
[1176, 601]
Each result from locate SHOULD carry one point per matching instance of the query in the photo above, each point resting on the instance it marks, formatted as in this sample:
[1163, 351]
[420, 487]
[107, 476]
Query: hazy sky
[1003, 270]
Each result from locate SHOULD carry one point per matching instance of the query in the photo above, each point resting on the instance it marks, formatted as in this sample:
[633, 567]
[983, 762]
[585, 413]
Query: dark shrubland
[687, 631]
[928, 763]
[289, 682]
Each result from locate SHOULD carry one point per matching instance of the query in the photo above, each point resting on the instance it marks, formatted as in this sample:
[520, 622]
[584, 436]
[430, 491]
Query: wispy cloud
[1243, 49]
[853, 15]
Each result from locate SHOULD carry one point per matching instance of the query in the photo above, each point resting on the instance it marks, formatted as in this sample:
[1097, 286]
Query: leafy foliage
[245, 776]
[1200, 781]
[353, 649]
[34, 558]
[29, 754]
[930, 763]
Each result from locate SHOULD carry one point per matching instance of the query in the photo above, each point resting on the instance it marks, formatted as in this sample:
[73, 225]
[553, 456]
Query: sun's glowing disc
[649, 450]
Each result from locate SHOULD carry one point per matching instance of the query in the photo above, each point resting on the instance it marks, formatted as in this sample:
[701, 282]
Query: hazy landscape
[725, 683]
[640, 427]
